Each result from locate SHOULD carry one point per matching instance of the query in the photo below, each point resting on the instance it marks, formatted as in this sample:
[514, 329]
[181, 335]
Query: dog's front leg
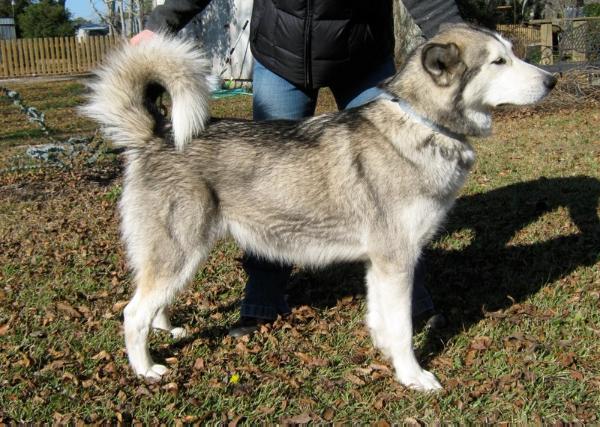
[389, 295]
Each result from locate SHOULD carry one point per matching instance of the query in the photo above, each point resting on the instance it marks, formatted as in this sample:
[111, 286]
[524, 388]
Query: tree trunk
[140, 14]
[406, 33]
[122, 16]
[131, 16]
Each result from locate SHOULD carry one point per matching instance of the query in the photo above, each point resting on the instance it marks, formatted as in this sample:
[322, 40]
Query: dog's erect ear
[442, 62]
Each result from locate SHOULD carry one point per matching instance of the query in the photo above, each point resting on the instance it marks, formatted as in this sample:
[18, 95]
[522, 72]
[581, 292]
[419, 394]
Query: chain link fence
[579, 41]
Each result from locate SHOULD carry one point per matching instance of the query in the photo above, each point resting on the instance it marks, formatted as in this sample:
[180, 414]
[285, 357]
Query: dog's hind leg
[157, 285]
[165, 245]
[161, 321]
[389, 288]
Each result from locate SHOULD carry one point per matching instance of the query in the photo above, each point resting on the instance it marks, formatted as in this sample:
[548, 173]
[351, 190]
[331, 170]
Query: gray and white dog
[372, 183]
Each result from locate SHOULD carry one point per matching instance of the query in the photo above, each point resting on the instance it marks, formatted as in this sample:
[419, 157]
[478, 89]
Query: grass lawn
[516, 270]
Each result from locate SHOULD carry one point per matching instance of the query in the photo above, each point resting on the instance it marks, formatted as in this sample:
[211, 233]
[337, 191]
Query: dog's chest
[445, 164]
[439, 160]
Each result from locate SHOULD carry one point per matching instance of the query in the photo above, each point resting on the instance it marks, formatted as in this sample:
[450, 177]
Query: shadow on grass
[487, 273]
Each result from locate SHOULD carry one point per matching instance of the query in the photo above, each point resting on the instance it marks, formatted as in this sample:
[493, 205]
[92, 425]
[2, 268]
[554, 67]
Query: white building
[7, 29]
[91, 30]
[223, 29]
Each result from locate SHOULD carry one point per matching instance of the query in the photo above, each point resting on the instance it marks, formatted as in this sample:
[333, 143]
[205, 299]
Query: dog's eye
[499, 61]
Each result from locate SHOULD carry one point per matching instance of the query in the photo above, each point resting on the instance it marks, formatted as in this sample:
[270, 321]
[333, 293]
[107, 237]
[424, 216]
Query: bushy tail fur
[118, 99]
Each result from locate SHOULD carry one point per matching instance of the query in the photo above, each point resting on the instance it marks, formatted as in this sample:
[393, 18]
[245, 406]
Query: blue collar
[419, 118]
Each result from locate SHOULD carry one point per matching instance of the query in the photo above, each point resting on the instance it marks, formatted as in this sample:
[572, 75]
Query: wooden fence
[57, 55]
[578, 39]
[530, 34]
[522, 37]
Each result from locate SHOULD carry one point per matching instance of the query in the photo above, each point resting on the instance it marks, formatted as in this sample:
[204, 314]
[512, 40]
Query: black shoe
[430, 320]
[246, 326]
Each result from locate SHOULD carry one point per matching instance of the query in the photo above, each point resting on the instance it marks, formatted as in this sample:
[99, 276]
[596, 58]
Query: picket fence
[52, 56]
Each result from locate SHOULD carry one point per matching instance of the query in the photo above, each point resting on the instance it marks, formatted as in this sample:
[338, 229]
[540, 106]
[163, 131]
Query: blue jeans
[277, 98]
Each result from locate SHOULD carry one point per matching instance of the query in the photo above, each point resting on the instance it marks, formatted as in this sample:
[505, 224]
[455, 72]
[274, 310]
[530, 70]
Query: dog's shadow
[493, 271]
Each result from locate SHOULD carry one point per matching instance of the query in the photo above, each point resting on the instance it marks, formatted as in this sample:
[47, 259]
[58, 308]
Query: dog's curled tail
[119, 98]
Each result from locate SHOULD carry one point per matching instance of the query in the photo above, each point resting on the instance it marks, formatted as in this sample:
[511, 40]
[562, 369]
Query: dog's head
[463, 72]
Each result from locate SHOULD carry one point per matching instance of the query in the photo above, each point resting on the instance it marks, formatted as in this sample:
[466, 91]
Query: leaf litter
[65, 283]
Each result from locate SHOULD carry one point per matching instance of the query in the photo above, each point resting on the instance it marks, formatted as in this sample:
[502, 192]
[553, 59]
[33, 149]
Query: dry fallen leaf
[310, 360]
[328, 414]
[172, 388]
[567, 359]
[470, 357]
[412, 421]
[87, 383]
[299, 419]
[4, 329]
[143, 391]
[576, 375]
[265, 410]
[354, 379]
[481, 343]
[56, 364]
[103, 355]
[66, 308]
[199, 364]
[109, 368]
[119, 305]
[25, 361]
[364, 371]
[69, 376]
[235, 421]
[379, 367]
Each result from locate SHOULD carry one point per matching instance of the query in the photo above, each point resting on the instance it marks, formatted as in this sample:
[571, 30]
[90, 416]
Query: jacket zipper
[307, 42]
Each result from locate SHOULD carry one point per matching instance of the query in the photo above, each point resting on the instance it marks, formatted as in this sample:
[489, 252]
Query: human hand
[140, 37]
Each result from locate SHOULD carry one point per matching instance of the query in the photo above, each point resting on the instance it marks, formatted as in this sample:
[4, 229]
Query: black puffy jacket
[316, 43]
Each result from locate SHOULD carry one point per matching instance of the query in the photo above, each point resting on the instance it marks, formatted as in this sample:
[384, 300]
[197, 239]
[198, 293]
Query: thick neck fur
[442, 105]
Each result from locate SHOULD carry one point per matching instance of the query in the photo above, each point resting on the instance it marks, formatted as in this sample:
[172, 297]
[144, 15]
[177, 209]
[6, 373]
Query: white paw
[178, 333]
[155, 372]
[421, 380]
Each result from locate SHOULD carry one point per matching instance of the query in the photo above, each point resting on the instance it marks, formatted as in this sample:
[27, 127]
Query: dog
[372, 183]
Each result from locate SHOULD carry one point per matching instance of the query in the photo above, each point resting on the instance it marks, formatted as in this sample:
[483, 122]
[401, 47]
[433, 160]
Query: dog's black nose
[550, 81]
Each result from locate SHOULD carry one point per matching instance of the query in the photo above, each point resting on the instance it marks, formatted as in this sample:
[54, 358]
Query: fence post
[77, 53]
[87, 52]
[9, 58]
[4, 57]
[546, 43]
[27, 56]
[44, 52]
[39, 55]
[62, 54]
[15, 57]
